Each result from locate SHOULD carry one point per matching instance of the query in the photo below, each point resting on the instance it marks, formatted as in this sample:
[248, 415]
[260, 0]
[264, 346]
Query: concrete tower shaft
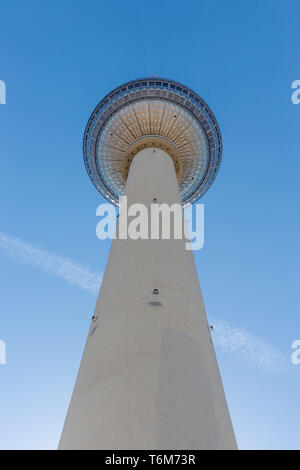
[149, 378]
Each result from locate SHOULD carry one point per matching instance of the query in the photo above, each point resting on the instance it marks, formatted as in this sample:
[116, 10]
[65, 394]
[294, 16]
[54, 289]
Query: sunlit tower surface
[149, 378]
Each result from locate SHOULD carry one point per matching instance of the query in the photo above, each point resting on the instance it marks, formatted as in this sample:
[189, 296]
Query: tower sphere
[152, 112]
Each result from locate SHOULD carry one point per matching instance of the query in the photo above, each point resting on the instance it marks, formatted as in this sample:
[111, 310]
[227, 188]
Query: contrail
[74, 273]
[253, 350]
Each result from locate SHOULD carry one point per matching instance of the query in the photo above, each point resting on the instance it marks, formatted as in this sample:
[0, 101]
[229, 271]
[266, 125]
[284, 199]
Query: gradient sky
[58, 59]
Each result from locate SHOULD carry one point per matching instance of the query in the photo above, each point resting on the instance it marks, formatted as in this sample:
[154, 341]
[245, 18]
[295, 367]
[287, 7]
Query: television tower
[149, 377]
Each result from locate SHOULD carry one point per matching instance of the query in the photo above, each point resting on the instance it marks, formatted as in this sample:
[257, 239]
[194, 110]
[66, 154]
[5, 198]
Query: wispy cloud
[74, 273]
[239, 342]
[249, 348]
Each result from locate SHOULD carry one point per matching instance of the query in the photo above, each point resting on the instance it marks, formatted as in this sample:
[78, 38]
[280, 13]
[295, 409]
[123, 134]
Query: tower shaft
[149, 378]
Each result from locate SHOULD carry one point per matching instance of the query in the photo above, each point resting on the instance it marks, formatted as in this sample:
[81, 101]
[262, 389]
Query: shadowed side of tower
[149, 378]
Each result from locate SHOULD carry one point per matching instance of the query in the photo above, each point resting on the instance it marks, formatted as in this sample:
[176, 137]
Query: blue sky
[58, 59]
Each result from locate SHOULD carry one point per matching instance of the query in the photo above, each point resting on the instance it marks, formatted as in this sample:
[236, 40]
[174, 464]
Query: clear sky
[58, 59]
